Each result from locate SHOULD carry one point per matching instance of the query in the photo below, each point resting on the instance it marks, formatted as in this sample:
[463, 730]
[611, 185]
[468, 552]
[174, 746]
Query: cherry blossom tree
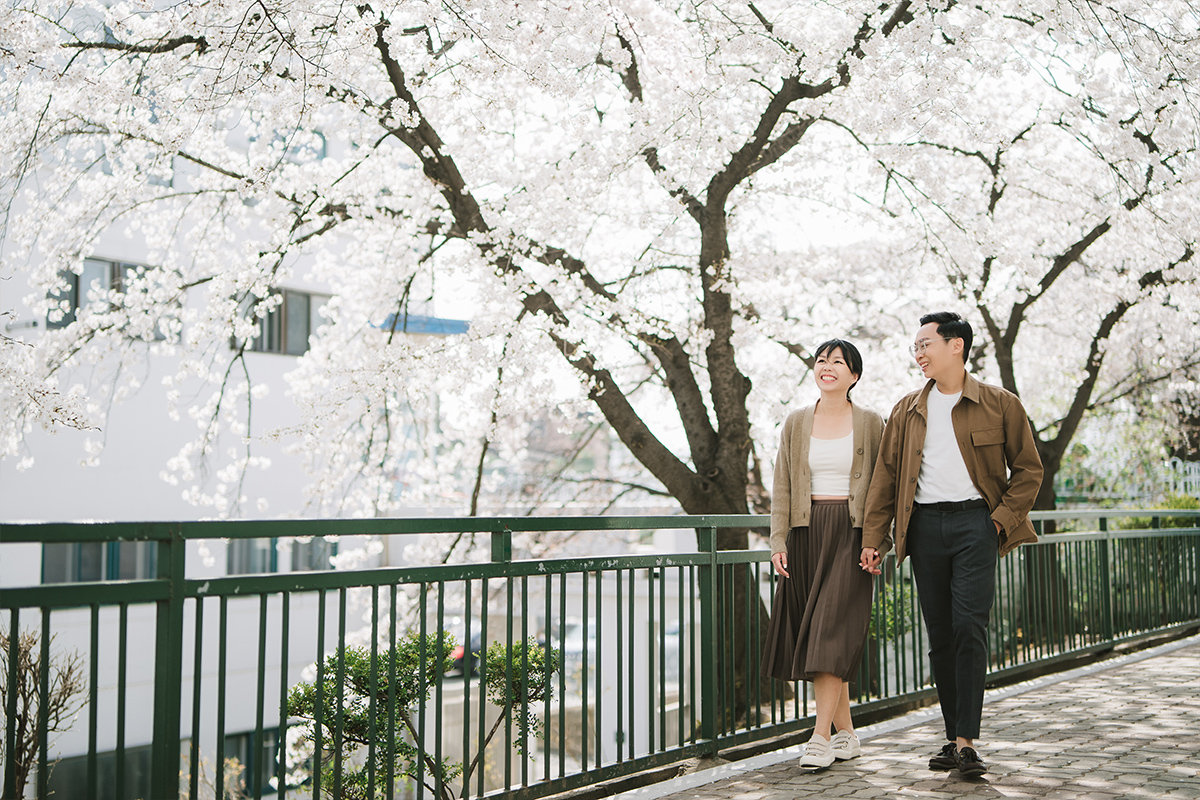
[655, 210]
[1060, 204]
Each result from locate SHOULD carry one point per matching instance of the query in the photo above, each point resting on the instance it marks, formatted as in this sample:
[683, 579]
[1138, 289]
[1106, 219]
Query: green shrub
[363, 723]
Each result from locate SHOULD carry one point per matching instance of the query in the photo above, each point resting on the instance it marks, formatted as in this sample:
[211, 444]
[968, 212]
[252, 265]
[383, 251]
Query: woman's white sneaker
[845, 745]
[817, 753]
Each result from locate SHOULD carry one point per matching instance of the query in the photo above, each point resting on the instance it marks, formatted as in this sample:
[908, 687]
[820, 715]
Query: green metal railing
[649, 659]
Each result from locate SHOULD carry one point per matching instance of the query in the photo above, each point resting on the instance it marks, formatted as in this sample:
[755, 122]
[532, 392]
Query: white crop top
[829, 462]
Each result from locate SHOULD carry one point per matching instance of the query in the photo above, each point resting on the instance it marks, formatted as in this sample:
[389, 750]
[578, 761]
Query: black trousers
[954, 564]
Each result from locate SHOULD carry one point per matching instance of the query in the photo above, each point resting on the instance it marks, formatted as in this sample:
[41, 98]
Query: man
[958, 471]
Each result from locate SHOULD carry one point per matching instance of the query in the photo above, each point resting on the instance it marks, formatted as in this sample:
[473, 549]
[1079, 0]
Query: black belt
[949, 508]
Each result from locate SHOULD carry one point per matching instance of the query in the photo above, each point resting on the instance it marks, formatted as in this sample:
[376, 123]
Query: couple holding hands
[956, 469]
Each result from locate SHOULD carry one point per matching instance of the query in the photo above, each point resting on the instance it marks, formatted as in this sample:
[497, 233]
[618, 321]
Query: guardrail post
[502, 545]
[710, 648]
[168, 667]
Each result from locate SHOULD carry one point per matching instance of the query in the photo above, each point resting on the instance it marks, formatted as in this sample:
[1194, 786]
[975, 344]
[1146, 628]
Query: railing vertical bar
[1095, 618]
[692, 629]
[562, 674]
[1147, 584]
[776, 697]
[10, 711]
[630, 661]
[661, 642]
[679, 668]
[901, 624]
[620, 673]
[390, 780]
[546, 714]
[43, 716]
[168, 663]
[93, 703]
[437, 675]
[729, 614]
[339, 714]
[319, 709]
[285, 624]
[484, 598]
[584, 682]
[373, 688]
[1063, 598]
[257, 743]
[891, 648]
[708, 638]
[122, 692]
[422, 672]
[651, 652]
[752, 656]
[222, 645]
[1045, 599]
[1079, 589]
[197, 708]
[470, 662]
[508, 677]
[993, 633]
[599, 661]
[524, 679]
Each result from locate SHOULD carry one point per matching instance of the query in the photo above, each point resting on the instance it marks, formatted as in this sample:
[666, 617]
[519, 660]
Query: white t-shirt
[829, 463]
[943, 477]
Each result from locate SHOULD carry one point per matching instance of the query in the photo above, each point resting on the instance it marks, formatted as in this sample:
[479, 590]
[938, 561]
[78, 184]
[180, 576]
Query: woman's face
[833, 374]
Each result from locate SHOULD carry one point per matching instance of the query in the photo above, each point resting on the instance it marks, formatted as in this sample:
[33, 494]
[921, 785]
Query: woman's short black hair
[849, 352]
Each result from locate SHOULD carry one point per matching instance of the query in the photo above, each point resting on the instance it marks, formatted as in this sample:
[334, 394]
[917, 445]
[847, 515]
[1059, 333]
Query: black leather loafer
[946, 759]
[969, 762]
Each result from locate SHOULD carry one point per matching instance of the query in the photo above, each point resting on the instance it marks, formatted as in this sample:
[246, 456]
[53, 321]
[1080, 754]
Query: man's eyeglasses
[919, 347]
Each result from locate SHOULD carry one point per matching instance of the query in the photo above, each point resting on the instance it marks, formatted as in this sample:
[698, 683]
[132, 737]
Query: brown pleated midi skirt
[820, 615]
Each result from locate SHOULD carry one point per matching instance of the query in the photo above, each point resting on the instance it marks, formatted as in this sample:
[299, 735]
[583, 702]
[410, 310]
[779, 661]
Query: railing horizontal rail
[84, 594]
[41, 532]
[614, 663]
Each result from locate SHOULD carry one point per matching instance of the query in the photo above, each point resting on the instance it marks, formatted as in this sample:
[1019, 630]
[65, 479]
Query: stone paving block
[1127, 731]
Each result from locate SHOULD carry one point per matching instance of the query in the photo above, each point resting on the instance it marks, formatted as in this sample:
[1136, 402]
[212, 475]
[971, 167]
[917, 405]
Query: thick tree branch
[421, 138]
[1081, 400]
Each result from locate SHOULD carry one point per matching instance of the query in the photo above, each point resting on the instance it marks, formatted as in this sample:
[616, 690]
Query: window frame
[112, 561]
[112, 279]
[275, 328]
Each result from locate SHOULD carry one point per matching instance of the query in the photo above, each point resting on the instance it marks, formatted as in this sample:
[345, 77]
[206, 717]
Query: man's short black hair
[952, 326]
[849, 352]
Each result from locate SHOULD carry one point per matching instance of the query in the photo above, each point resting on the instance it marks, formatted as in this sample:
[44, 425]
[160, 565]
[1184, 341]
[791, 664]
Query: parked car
[466, 659]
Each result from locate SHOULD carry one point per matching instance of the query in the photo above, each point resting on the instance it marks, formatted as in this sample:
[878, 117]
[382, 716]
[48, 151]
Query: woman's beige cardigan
[791, 498]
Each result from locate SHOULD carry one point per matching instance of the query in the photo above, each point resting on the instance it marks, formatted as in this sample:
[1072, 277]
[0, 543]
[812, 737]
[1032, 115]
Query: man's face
[937, 357]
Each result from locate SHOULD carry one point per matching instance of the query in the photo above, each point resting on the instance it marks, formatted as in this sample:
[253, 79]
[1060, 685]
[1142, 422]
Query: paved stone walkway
[1124, 729]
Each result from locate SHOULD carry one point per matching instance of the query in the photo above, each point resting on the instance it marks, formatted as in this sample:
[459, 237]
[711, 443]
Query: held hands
[780, 562]
[870, 560]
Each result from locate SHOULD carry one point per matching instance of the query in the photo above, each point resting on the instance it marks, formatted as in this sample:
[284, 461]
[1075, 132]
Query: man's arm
[881, 496]
[1024, 467]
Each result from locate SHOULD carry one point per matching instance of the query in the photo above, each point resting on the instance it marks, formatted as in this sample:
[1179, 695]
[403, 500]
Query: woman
[823, 603]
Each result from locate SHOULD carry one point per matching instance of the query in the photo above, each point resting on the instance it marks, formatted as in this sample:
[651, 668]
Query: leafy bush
[1173, 501]
[515, 679]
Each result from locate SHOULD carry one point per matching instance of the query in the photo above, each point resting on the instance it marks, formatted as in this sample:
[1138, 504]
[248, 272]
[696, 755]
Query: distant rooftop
[417, 323]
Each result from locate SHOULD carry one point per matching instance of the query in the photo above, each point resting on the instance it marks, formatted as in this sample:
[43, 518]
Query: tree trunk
[1046, 610]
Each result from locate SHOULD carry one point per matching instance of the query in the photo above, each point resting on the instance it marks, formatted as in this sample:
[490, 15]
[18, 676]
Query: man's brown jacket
[996, 443]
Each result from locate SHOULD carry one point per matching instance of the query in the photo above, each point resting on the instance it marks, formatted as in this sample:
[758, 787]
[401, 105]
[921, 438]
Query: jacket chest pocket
[989, 450]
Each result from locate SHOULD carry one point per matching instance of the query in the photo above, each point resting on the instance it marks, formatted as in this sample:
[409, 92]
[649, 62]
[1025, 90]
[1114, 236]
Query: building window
[251, 556]
[69, 777]
[258, 762]
[97, 561]
[286, 328]
[312, 555]
[98, 275]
